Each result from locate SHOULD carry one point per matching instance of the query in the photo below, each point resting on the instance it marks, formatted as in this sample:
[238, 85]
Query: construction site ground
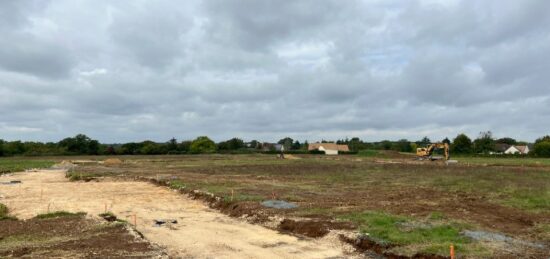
[200, 232]
[388, 205]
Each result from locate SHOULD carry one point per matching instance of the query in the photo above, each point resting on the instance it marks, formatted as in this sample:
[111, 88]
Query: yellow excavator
[425, 153]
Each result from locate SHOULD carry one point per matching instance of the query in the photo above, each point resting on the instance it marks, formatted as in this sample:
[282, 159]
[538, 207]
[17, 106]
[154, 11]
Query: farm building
[328, 148]
[517, 150]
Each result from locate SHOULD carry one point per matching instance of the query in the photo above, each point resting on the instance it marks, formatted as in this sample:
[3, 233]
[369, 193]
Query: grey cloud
[263, 69]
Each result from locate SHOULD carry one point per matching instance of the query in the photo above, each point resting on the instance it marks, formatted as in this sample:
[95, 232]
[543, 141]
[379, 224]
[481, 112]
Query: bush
[203, 145]
[542, 149]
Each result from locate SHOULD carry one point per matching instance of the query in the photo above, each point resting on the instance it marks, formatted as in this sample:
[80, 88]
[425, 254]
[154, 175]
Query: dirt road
[200, 232]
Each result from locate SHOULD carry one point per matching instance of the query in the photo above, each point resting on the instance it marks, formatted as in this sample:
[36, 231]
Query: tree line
[84, 145]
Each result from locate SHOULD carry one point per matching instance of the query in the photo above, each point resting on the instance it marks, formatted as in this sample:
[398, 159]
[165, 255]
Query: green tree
[172, 145]
[542, 148]
[232, 144]
[2, 147]
[203, 144]
[286, 142]
[541, 139]
[80, 144]
[509, 141]
[484, 143]
[402, 145]
[425, 141]
[462, 144]
[446, 140]
[185, 146]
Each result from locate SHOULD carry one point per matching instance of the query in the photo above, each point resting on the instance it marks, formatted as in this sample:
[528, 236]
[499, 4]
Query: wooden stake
[452, 252]
[232, 194]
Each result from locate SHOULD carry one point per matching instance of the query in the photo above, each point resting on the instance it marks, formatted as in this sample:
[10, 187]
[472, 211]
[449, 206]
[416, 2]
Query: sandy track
[201, 232]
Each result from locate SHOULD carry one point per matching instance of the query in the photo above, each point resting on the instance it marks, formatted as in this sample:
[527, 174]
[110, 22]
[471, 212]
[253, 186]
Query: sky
[121, 71]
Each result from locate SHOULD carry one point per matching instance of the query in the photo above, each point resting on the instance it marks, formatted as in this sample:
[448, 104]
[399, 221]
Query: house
[328, 148]
[517, 150]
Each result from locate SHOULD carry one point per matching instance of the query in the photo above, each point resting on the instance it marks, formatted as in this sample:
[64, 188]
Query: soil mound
[112, 161]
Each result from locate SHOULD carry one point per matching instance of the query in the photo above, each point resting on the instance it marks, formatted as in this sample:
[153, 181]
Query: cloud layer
[129, 71]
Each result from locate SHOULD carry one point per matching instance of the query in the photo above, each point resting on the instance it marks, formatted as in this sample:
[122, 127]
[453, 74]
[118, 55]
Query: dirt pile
[112, 161]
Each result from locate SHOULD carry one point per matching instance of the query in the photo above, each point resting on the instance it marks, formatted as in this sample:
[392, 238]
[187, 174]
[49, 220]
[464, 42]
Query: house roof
[522, 149]
[329, 146]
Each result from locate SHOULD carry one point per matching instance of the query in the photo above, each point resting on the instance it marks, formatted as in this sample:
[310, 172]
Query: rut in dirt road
[197, 231]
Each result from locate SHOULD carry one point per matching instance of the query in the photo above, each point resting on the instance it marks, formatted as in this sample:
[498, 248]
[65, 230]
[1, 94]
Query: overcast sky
[123, 71]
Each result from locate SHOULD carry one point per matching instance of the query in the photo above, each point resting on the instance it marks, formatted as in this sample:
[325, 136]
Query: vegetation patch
[407, 233]
[59, 214]
[18, 165]
[4, 213]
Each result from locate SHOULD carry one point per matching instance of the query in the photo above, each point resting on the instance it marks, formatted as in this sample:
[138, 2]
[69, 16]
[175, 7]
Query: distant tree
[542, 148]
[2, 147]
[305, 146]
[150, 148]
[424, 142]
[541, 139]
[462, 144]
[286, 142]
[484, 143]
[184, 146]
[355, 144]
[232, 144]
[172, 145]
[385, 145]
[446, 140]
[80, 144]
[110, 150]
[402, 145]
[296, 145]
[130, 148]
[254, 144]
[203, 144]
[509, 141]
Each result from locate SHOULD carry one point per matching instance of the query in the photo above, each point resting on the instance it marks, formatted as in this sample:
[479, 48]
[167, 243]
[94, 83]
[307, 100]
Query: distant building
[517, 150]
[328, 148]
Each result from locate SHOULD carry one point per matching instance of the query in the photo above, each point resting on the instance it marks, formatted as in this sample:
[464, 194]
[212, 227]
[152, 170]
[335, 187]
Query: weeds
[4, 213]
[434, 237]
[59, 214]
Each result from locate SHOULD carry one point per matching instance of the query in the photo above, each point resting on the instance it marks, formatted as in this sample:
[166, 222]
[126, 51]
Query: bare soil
[200, 232]
[71, 237]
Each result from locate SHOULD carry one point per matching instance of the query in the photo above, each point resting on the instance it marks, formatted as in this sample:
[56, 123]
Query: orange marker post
[452, 248]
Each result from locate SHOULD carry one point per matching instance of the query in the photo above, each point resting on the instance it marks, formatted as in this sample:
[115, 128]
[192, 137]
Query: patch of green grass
[530, 200]
[58, 214]
[4, 213]
[389, 229]
[177, 184]
[437, 215]
[16, 165]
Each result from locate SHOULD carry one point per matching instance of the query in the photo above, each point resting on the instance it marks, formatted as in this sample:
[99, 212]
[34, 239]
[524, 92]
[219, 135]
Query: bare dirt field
[200, 232]
[387, 205]
[414, 207]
